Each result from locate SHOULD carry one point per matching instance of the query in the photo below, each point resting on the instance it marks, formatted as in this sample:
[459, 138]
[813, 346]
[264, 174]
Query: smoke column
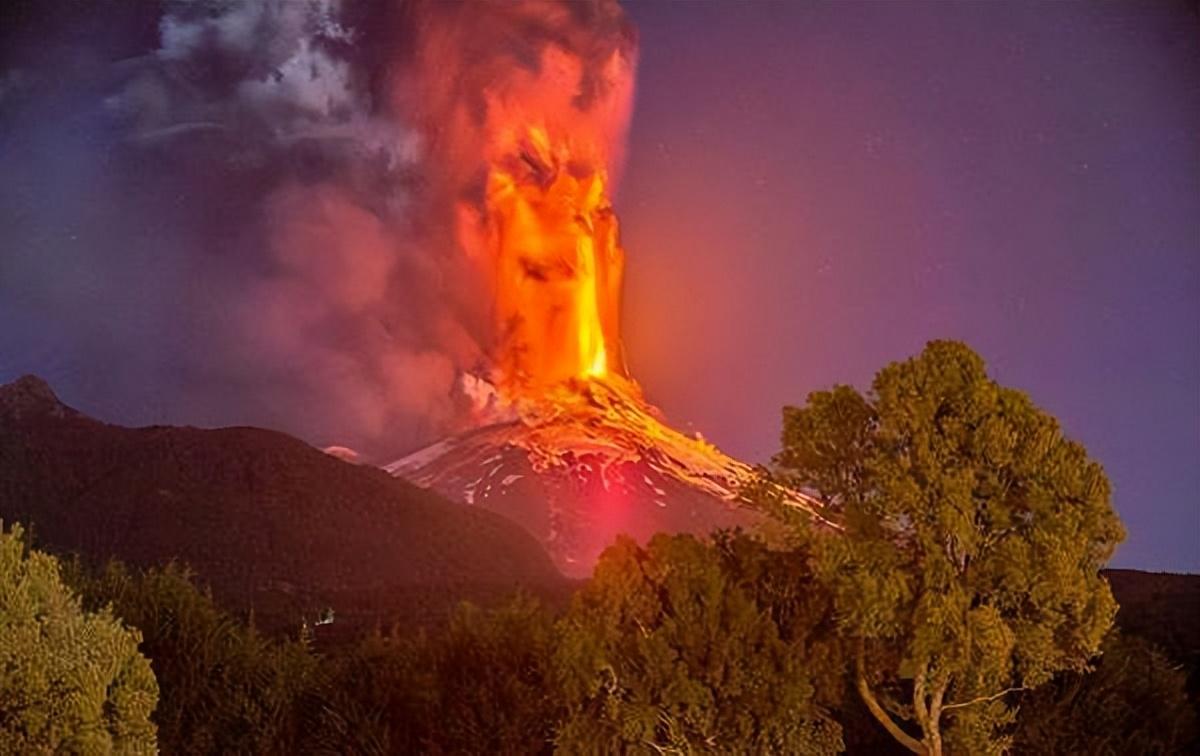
[269, 212]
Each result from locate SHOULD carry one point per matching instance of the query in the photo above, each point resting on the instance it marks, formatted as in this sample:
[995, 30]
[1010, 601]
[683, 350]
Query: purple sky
[814, 190]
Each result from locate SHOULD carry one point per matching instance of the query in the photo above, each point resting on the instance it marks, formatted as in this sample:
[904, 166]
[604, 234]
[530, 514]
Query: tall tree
[664, 652]
[974, 531]
[71, 681]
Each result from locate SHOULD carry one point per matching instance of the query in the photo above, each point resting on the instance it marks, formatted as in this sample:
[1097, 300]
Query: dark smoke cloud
[237, 211]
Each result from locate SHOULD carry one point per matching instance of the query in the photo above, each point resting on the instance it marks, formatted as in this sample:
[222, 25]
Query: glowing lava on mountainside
[566, 444]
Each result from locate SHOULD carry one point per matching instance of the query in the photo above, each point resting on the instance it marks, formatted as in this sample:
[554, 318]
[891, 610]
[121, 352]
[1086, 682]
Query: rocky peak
[30, 396]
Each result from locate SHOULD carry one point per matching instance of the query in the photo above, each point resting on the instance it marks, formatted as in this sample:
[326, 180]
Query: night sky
[814, 190]
[810, 191]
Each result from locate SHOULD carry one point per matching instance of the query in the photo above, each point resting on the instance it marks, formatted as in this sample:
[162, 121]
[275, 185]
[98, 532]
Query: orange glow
[548, 230]
[558, 264]
[525, 109]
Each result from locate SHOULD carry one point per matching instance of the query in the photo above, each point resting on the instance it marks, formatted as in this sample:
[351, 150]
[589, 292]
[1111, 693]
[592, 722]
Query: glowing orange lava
[559, 265]
[548, 231]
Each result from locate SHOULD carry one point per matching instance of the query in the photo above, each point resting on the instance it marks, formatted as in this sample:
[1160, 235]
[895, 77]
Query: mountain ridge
[266, 520]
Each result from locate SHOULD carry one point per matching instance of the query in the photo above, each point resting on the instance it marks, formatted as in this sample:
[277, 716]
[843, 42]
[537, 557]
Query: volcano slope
[268, 521]
[590, 460]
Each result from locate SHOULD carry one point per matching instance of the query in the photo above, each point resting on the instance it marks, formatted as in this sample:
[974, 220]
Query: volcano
[562, 440]
[587, 461]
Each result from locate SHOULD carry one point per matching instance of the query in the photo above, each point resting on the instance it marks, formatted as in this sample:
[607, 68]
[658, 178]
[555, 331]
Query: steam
[253, 214]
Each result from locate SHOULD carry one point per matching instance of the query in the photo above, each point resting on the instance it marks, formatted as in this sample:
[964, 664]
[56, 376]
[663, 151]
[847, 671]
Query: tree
[664, 652]
[495, 692]
[481, 684]
[225, 688]
[71, 681]
[1134, 701]
[374, 701]
[973, 534]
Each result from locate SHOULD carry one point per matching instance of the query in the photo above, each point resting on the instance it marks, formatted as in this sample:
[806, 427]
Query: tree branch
[933, 733]
[935, 704]
[982, 699]
[864, 691]
[920, 704]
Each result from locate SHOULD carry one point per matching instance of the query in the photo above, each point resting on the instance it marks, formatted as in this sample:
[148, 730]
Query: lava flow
[589, 460]
[577, 455]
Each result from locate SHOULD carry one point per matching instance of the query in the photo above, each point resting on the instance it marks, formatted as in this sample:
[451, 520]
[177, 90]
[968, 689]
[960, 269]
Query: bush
[70, 680]
[224, 687]
[683, 645]
[1134, 701]
[663, 650]
[480, 685]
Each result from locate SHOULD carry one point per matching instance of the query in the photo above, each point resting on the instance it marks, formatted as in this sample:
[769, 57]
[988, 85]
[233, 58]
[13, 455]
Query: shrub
[225, 688]
[1134, 701]
[663, 650]
[70, 680]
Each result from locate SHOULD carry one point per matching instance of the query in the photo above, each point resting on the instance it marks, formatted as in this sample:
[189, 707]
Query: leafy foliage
[71, 680]
[224, 687]
[480, 686]
[1133, 702]
[663, 651]
[974, 534]
[683, 646]
[495, 692]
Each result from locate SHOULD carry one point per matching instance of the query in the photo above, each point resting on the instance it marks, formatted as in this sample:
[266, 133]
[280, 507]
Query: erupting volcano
[564, 443]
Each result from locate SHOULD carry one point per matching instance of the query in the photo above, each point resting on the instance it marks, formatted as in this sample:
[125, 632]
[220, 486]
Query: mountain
[586, 462]
[268, 521]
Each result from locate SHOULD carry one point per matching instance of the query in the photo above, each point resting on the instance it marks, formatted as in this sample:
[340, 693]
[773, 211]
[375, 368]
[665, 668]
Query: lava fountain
[546, 231]
[553, 235]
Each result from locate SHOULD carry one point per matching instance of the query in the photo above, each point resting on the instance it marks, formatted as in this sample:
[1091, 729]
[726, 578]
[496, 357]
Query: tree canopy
[974, 532]
[1134, 701]
[71, 681]
[663, 651]
[225, 687]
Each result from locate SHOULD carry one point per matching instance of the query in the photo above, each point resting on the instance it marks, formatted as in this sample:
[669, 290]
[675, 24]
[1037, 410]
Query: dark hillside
[267, 520]
[1164, 609]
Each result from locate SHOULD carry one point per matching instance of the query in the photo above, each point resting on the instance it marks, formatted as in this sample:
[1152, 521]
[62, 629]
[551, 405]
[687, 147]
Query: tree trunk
[933, 736]
[885, 719]
[927, 710]
[933, 731]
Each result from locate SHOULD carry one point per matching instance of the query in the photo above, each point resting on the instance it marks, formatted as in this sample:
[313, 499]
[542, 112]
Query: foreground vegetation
[681, 646]
[70, 680]
[969, 566]
[960, 609]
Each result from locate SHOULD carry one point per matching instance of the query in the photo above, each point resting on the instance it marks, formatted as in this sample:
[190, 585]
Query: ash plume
[250, 211]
